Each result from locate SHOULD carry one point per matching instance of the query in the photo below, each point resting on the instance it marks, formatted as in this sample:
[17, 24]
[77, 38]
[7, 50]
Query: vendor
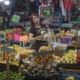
[37, 29]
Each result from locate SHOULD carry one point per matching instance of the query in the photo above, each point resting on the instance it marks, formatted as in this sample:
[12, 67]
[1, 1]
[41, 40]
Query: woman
[36, 30]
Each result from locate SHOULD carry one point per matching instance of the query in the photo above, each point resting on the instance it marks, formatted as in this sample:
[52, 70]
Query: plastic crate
[70, 66]
[67, 40]
[76, 76]
[64, 25]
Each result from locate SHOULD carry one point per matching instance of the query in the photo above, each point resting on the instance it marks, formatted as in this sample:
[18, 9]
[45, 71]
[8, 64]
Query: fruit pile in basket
[40, 72]
[20, 50]
[70, 57]
[45, 58]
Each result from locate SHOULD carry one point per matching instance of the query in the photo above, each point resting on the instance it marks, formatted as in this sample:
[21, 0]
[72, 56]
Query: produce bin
[70, 66]
[13, 68]
[75, 76]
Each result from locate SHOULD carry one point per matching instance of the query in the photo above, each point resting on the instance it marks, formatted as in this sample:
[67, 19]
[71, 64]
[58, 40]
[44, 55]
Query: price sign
[23, 38]
[16, 37]
[47, 12]
[15, 19]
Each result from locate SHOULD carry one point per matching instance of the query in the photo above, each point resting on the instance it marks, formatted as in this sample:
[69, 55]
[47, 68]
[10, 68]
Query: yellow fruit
[43, 48]
[70, 57]
[43, 32]
[23, 56]
[20, 50]
[70, 78]
[30, 51]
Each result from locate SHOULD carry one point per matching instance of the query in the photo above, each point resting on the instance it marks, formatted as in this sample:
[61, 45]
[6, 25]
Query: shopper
[37, 29]
[74, 12]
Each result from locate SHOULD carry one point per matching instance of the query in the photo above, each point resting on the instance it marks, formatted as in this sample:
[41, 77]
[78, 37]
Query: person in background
[74, 12]
[65, 20]
[37, 29]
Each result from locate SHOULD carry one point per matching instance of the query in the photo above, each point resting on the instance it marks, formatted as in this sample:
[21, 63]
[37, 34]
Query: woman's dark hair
[31, 20]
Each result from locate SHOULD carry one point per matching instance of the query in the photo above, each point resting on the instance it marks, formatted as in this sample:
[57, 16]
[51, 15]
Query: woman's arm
[31, 38]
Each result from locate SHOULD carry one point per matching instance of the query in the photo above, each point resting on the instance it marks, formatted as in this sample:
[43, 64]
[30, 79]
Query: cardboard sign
[15, 19]
[16, 37]
[24, 38]
[9, 50]
[47, 11]
[44, 53]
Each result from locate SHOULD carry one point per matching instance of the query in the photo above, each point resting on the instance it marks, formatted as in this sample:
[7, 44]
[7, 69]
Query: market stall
[56, 32]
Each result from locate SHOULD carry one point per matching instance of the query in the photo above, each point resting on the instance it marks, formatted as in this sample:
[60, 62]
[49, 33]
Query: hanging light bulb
[7, 2]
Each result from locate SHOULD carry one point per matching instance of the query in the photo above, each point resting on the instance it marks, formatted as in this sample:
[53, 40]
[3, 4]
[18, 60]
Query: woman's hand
[31, 38]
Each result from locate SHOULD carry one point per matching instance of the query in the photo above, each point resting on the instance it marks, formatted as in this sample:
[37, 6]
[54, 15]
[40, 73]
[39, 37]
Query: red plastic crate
[78, 57]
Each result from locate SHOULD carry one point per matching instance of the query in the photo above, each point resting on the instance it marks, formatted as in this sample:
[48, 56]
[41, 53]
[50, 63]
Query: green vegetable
[12, 76]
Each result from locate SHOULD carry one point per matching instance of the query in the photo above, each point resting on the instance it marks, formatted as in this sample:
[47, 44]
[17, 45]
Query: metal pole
[8, 69]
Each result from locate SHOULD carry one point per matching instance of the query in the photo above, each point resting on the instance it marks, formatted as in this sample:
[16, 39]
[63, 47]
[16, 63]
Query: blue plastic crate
[66, 25]
[76, 76]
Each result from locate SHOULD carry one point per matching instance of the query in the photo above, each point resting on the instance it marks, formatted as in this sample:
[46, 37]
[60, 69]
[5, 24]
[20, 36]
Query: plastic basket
[67, 40]
[64, 76]
[59, 46]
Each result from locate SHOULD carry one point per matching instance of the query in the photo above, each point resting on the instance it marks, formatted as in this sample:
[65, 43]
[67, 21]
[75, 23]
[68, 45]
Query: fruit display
[43, 48]
[66, 37]
[69, 57]
[20, 50]
[9, 36]
[12, 76]
[8, 30]
[70, 78]
[40, 72]
[43, 59]
[66, 33]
